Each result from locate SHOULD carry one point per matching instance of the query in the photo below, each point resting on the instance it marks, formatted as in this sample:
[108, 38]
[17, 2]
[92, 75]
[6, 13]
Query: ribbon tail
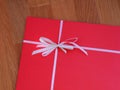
[36, 51]
[63, 50]
[79, 47]
[41, 50]
[47, 52]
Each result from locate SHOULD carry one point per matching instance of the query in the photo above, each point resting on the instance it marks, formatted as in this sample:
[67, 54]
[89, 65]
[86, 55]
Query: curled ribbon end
[86, 54]
[44, 55]
[33, 53]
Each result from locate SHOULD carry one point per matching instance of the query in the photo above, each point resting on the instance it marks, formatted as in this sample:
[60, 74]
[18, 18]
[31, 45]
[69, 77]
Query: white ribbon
[46, 46]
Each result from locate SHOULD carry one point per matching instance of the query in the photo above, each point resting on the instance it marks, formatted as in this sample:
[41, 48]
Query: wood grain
[13, 15]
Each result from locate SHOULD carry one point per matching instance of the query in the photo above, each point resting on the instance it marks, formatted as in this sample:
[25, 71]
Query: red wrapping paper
[75, 70]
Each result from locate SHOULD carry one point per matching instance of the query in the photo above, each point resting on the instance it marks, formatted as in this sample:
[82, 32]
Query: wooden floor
[12, 23]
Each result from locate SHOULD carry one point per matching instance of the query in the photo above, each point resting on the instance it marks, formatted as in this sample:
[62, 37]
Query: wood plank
[109, 11]
[86, 11]
[63, 9]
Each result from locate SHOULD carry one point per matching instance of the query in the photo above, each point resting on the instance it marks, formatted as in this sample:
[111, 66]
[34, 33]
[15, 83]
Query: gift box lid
[66, 55]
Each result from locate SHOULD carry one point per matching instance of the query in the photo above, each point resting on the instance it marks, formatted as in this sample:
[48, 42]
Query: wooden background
[13, 14]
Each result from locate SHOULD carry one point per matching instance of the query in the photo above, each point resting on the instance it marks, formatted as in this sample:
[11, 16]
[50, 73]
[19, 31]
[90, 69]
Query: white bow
[47, 46]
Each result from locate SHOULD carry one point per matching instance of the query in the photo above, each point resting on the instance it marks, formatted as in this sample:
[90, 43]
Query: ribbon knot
[46, 46]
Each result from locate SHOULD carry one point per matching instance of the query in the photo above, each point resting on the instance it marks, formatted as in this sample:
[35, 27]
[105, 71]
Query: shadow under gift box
[75, 70]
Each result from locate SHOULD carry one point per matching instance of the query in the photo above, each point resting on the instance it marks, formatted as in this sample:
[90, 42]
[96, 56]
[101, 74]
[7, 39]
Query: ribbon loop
[46, 40]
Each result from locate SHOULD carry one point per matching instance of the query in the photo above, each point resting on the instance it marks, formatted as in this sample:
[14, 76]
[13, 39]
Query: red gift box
[54, 56]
